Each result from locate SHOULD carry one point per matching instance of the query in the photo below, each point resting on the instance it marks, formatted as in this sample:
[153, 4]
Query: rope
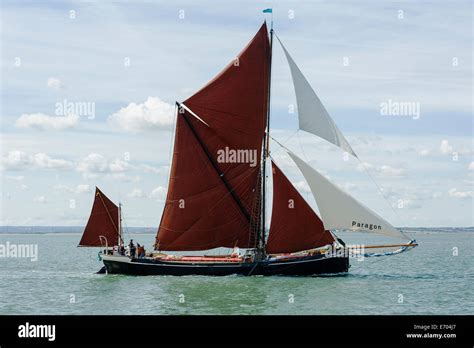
[385, 198]
[126, 226]
[301, 146]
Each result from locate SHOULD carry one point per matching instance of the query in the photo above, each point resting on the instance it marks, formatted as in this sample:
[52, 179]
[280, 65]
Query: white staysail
[338, 209]
[312, 115]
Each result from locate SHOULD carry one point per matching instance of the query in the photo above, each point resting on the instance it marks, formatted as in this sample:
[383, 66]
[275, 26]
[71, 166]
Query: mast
[266, 147]
[120, 239]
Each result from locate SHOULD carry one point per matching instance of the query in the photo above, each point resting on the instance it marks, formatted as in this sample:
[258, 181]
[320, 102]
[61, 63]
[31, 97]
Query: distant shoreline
[63, 229]
[152, 230]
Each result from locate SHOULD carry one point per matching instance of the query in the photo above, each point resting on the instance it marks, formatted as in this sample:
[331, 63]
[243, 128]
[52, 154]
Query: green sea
[435, 278]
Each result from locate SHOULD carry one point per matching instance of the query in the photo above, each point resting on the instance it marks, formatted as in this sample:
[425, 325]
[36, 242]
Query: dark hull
[305, 266]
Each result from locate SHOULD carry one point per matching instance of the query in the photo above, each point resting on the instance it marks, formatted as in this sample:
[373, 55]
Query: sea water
[435, 278]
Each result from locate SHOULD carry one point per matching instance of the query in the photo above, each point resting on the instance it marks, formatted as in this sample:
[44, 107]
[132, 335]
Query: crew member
[140, 251]
[132, 248]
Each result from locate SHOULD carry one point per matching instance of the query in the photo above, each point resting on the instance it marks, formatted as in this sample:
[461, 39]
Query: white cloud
[45, 122]
[388, 191]
[460, 194]
[19, 160]
[90, 176]
[136, 193]
[16, 177]
[96, 163]
[42, 160]
[386, 170]
[383, 170]
[124, 178]
[54, 83]
[470, 167]
[424, 152]
[150, 169]
[40, 200]
[93, 162]
[15, 160]
[81, 188]
[152, 114]
[118, 165]
[62, 188]
[445, 148]
[159, 193]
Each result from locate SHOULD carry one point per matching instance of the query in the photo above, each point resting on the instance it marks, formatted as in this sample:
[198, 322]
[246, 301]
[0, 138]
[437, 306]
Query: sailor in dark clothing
[140, 251]
[132, 248]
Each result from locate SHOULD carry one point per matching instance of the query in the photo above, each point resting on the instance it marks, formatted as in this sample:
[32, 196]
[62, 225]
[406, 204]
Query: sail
[103, 221]
[312, 115]
[338, 209]
[294, 225]
[214, 187]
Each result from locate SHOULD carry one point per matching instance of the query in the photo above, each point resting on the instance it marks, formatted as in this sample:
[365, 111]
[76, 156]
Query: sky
[88, 91]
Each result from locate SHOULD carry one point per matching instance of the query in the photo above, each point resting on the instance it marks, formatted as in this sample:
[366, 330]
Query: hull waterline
[304, 266]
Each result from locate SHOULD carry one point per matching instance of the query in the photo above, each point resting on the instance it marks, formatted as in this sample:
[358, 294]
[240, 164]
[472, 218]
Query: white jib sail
[338, 209]
[312, 115]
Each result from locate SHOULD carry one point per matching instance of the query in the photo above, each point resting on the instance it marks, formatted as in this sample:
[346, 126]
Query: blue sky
[133, 60]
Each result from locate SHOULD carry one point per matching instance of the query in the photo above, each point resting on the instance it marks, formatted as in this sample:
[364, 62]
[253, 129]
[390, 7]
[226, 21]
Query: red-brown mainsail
[103, 221]
[294, 225]
[212, 203]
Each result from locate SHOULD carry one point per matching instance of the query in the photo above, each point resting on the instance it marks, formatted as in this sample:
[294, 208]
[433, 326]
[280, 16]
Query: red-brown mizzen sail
[294, 225]
[103, 221]
[214, 187]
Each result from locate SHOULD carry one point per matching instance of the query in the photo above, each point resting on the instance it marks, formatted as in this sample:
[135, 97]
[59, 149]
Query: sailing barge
[217, 200]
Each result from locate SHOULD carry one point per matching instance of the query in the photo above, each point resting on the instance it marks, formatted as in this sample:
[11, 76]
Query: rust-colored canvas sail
[214, 185]
[103, 221]
[294, 225]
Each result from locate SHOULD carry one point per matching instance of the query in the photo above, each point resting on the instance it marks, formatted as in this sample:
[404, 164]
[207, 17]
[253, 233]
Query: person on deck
[132, 248]
[235, 252]
[140, 251]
